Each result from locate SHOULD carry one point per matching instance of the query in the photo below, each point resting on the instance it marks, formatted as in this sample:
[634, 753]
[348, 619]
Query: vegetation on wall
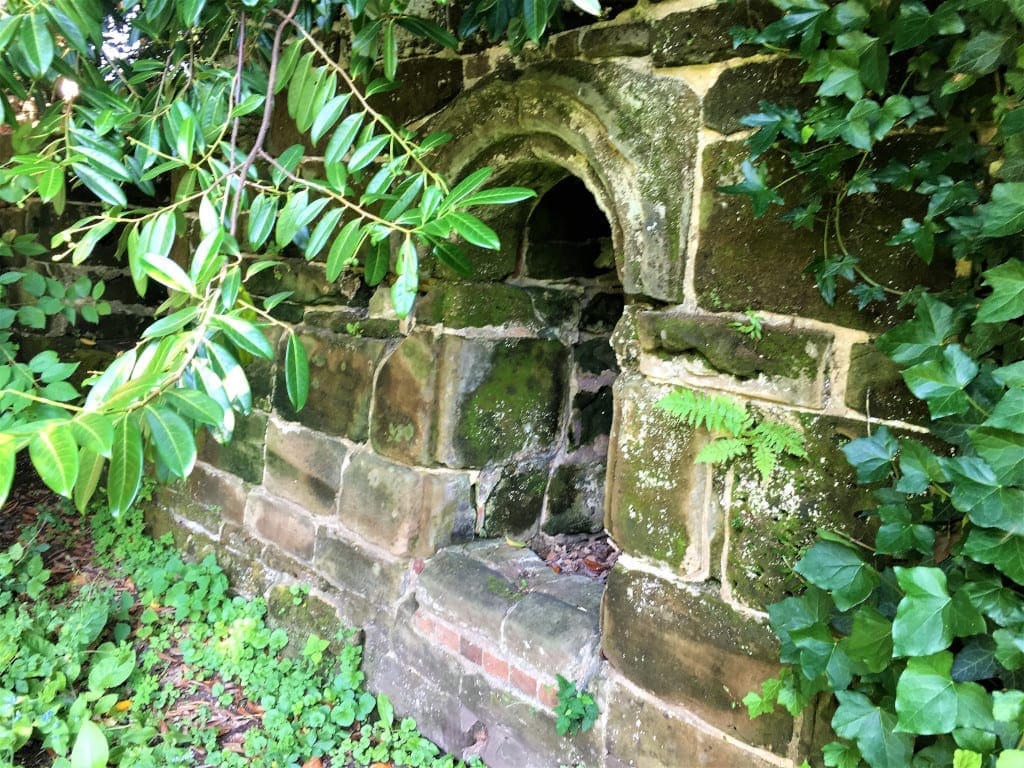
[160, 111]
[918, 635]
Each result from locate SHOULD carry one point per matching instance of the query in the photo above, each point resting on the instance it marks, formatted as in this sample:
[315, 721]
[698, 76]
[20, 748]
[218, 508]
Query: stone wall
[521, 403]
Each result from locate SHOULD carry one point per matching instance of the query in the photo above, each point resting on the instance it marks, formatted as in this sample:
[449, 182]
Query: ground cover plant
[917, 634]
[115, 651]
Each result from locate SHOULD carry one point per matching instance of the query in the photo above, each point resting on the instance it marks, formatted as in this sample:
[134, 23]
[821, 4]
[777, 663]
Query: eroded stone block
[687, 646]
[282, 523]
[404, 402]
[340, 385]
[406, 511]
[243, 455]
[874, 386]
[514, 505]
[655, 491]
[303, 466]
[575, 499]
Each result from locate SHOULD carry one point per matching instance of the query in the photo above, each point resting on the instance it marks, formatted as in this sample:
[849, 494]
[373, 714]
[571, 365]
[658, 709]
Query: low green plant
[88, 676]
[576, 709]
[736, 432]
[752, 327]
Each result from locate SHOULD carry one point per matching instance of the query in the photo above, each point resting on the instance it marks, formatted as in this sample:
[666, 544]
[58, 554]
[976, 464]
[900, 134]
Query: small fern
[736, 432]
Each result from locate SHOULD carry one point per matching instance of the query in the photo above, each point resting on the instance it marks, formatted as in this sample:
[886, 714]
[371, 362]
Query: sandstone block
[373, 582]
[340, 385]
[575, 499]
[243, 455]
[687, 646]
[303, 466]
[404, 403]
[283, 524]
[655, 491]
[513, 507]
[408, 512]
[603, 41]
[702, 35]
[219, 491]
[874, 386]
[738, 91]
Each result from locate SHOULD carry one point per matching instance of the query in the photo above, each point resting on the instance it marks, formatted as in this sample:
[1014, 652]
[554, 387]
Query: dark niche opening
[553, 497]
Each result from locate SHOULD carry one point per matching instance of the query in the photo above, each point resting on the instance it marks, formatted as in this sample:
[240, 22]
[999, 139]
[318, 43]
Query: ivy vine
[918, 635]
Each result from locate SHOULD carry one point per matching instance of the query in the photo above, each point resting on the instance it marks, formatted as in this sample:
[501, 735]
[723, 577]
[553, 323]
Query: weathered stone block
[243, 456]
[499, 398]
[747, 263]
[702, 35]
[303, 616]
[303, 466]
[465, 592]
[340, 385]
[282, 523]
[655, 492]
[475, 305]
[404, 404]
[641, 732]
[591, 416]
[685, 645]
[551, 635]
[371, 582]
[427, 84]
[576, 499]
[306, 280]
[407, 512]
[514, 505]
[607, 40]
[219, 491]
[874, 386]
[771, 522]
[738, 91]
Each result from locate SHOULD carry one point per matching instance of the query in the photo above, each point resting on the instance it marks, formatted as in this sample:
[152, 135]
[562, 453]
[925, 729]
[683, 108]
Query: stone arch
[630, 136]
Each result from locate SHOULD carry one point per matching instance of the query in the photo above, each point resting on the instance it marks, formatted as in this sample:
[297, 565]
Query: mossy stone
[244, 454]
[303, 615]
[506, 397]
[606, 40]
[575, 499]
[771, 522]
[595, 356]
[738, 91]
[402, 426]
[514, 505]
[475, 305]
[602, 312]
[703, 35]
[874, 386]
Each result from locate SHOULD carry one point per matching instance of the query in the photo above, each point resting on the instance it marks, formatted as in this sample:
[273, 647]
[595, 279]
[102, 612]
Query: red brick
[524, 681]
[423, 623]
[548, 695]
[448, 637]
[495, 666]
[471, 651]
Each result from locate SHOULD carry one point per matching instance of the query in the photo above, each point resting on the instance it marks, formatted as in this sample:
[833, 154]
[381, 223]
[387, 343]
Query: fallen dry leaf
[313, 762]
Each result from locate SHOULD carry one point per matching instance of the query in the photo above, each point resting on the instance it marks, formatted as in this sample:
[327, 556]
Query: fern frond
[722, 450]
[714, 412]
[779, 438]
[765, 460]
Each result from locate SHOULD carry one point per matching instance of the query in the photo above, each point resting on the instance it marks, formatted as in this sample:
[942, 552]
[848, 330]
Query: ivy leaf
[870, 641]
[941, 382]
[922, 625]
[840, 570]
[770, 122]
[873, 58]
[976, 660]
[1007, 283]
[1004, 214]
[1009, 412]
[1005, 552]
[1003, 451]
[753, 185]
[873, 730]
[899, 533]
[926, 700]
[922, 337]
[872, 456]
[983, 53]
[857, 130]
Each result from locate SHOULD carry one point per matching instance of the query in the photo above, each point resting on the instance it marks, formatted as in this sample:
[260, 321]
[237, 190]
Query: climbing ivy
[917, 632]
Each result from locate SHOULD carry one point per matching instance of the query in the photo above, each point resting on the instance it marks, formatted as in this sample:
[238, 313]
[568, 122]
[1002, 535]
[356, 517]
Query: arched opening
[553, 497]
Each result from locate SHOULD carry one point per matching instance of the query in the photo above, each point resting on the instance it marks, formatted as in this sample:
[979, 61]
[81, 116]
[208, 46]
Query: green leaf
[171, 324]
[288, 225]
[367, 152]
[941, 382]
[474, 231]
[167, 273]
[328, 116]
[466, 187]
[1003, 452]
[36, 44]
[390, 51]
[839, 570]
[983, 52]
[923, 624]
[90, 470]
[244, 335]
[286, 64]
[378, 258]
[322, 232]
[593, 7]
[93, 431]
[872, 456]
[90, 749]
[124, 477]
[873, 730]
[175, 444]
[50, 183]
[343, 250]
[343, 137]
[921, 338]
[7, 457]
[1010, 758]
[452, 257]
[426, 28]
[1006, 301]
[535, 18]
[926, 700]
[1003, 215]
[498, 196]
[195, 405]
[296, 372]
[1009, 412]
[105, 189]
[262, 215]
[870, 640]
[54, 455]
[753, 185]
